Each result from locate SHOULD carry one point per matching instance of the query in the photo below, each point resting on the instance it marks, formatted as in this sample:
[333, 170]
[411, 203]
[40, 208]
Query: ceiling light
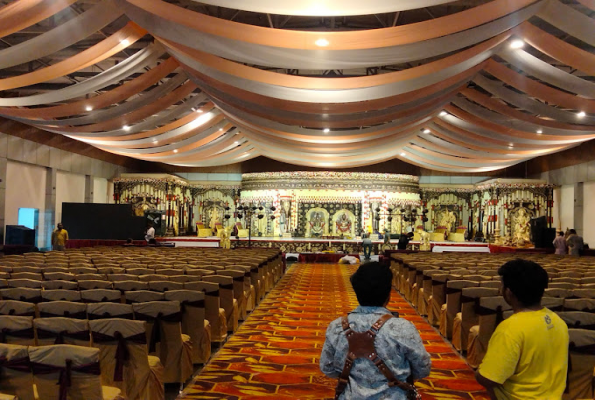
[88, 108]
[175, 150]
[539, 131]
[220, 129]
[199, 111]
[443, 113]
[426, 130]
[581, 114]
[322, 42]
[510, 147]
[517, 44]
[155, 142]
[403, 154]
[326, 130]
[125, 42]
[511, 144]
[235, 143]
[237, 133]
[126, 127]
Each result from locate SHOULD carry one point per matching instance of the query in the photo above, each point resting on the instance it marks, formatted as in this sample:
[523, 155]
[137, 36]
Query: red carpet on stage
[275, 353]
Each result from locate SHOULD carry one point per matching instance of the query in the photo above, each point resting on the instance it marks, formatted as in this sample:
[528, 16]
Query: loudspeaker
[18, 234]
[543, 238]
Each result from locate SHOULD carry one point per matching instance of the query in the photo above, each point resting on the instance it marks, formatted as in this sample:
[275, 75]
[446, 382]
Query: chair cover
[124, 360]
[213, 312]
[91, 277]
[587, 305]
[66, 372]
[60, 294]
[23, 294]
[24, 283]
[452, 306]
[15, 307]
[169, 271]
[227, 299]
[17, 330]
[4, 281]
[60, 330]
[578, 319]
[95, 284]
[68, 309]
[140, 271]
[165, 338]
[82, 270]
[125, 286]
[109, 310]
[467, 318]
[194, 323]
[16, 372]
[122, 277]
[438, 297]
[34, 276]
[141, 296]
[581, 365]
[58, 284]
[62, 276]
[489, 316]
[153, 277]
[583, 293]
[100, 295]
[164, 286]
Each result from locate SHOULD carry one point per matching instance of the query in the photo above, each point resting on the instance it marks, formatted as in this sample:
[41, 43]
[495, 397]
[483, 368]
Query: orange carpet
[275, 353]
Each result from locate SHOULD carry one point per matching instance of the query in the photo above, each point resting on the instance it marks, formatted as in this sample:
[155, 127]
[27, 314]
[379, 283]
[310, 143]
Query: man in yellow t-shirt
[527, 356]
[59, 237]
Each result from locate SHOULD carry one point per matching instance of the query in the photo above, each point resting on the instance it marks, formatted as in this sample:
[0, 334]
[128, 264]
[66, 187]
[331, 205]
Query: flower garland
[330, 175]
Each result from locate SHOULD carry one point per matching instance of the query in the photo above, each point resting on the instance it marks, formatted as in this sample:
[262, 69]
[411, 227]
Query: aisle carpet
[275, 353]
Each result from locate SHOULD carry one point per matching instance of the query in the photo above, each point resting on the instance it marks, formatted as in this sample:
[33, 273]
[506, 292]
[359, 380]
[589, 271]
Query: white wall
[589, 213]
[70, 188]
[100, 194]
[566, 207]
[25, 188]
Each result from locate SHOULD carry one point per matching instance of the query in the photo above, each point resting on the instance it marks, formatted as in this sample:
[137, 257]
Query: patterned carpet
[275, 353]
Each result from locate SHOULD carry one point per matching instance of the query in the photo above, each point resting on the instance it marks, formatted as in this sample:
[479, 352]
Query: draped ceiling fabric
[472, 89]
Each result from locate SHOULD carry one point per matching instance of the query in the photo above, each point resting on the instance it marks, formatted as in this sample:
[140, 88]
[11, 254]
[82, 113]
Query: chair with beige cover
[581, 365]
[165, 338]
[19, 308]
[153, 277]
[58, 284]
[490, 314]
[141, 296]
[122, 277]
[124, 360]
[578, 319]
[467, 318]
[101, 295]
[164, 286]
[68, 309]
[125, 286]
[214, 313]
[17, 330]
[82, 270]
[4, 283]
[59, 330]
[587, 305]
[194, 323]
[438, 297]
[91, 277]
[109, 310]
[60, 295]
[94, 284]
[29, 295]
[24, 283]
[449, 310]
[34, 276]
[227, 299]
[80, 364]
[241, 294]
[15, 371]
[255, 281]
[59, 276]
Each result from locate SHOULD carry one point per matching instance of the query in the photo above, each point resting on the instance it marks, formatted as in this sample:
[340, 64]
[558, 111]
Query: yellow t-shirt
[59, 237]
[528, 356]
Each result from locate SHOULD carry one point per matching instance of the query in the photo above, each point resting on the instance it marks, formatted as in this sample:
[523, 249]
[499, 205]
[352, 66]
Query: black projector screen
[102, 221]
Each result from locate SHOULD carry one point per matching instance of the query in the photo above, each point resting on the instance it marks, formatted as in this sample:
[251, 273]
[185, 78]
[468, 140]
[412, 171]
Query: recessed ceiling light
[326, 130]
[125, 42]
[517, 44]
[511, 144]
[88, 108]
[175, 150]
[155, 141]
[199, 111]
[426, 130]
[403, 154]
[322, 42]
[581, 114]
[237, 133]
[539, 131]
[235, 143]
[510, 147]
[443, 113]
[220, 129]
[126, 127]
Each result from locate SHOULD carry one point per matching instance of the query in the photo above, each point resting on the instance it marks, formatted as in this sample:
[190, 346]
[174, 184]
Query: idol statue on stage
[448, 220]
[316, 224]
[343, 225]
[521, 227]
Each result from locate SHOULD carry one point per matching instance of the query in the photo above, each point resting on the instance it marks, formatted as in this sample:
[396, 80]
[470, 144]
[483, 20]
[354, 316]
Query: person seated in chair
[397, 346]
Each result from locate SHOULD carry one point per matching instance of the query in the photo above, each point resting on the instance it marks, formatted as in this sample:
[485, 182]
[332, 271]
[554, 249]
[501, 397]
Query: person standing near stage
[404, 240]
[359, 346]
[575, 243]
[367, 245]
[150, 232]
[59, 237]
[527, 356]
[560, 244]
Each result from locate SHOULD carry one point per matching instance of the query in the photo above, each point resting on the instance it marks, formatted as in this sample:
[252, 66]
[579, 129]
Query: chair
[449, 310]
[15, 370]
[122, 277]
[125, 286]
[22, 294]
[124, 360]
[581, 365]
[34, 276]
[227, 299]
[467, 318]
[66, 309]
[91, 277]
[62, 276]
[81, 364]
[52, 285]
[17, 330]
[578, 319]
[164, 286]
[194, 323]
[82, 270]
[239, 290]
[15, 307]
[59, 330]
[109, 310]
[93, 284]
[100, 295]
[165, 338]
[153, 277]
[583, 293]
[213, 311]
[141, 296]
[587, 305]
[60, 295]
[24, 283]
[438, 297]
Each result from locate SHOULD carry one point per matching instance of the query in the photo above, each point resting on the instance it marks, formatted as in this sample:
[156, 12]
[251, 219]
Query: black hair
[372, 283]
[526, 279]
[560, 233]
[572, 231]
[410, 234]
[129, 240]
